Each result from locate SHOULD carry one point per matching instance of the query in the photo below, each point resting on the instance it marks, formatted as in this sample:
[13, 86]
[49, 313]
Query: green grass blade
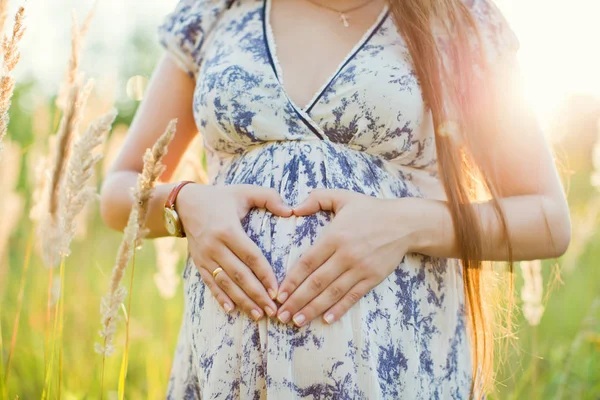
[125, 361]
[21, 295]
[47, 379]
[2, 385]
[61, 303]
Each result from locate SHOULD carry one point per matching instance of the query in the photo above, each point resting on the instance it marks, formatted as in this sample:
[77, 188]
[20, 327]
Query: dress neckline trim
[272, 54]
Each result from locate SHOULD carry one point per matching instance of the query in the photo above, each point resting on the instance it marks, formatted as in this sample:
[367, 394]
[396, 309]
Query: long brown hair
[455, 91]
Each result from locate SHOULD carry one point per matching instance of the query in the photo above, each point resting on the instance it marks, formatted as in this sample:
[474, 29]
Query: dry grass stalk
[3, 14]
[532, 291]
[153, 169]
[77, 40]
[65, 135]
[85, 27]
[133, 233]
[62, 100]
[11, 208]
[167, 257]
[10, 58]
[109, 306]
[49, 216]
[11, 203]
[77, 193]
[40, 178]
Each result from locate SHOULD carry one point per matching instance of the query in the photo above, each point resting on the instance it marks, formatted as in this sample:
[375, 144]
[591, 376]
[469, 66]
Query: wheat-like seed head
[3, 14]
[109, 306]
[85, 27]
[11, 52]
[77, 193]
[66, 132]
[133, 234]
[10, 58]
[153, 168]
[50, 225]
[49, 228]
[72, 73]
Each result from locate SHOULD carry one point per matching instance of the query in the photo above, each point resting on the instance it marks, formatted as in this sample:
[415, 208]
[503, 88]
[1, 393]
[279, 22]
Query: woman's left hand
[364, 243]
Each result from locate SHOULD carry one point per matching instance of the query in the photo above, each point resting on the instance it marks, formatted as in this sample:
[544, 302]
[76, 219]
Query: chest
[310, 42]
[261, 83]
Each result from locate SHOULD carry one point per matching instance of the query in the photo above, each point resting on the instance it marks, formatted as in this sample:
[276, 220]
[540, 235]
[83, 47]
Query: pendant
[344, 19]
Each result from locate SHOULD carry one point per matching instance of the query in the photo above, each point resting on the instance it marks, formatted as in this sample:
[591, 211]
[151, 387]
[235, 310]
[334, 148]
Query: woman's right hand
[211, 217]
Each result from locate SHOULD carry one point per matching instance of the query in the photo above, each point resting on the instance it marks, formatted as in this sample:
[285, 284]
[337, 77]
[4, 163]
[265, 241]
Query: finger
[321, 199]
[325, 300]
[306, 265]
[311, 288]
[238, 295]
[262, 197]
[243, 278]
[224, 300]
[249, 253]
[345, 303]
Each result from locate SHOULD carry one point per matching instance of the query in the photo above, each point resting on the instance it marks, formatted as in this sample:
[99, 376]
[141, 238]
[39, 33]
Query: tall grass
[134, 232]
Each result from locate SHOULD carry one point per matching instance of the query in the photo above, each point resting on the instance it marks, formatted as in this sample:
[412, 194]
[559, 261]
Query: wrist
[185, 202]
[171, 214]
[181, 201]
[425, 220]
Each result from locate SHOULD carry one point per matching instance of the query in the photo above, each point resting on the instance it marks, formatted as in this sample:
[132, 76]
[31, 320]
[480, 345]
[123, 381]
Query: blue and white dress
[367, 130]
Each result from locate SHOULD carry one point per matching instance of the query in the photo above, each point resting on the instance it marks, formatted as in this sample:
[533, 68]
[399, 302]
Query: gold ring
[216, 271]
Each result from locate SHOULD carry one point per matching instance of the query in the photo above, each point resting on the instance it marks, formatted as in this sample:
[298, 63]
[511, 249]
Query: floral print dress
[366, 130]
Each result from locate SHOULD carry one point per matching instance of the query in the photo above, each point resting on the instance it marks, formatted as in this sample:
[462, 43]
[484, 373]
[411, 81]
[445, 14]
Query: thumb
[321, 199]
[263, 197]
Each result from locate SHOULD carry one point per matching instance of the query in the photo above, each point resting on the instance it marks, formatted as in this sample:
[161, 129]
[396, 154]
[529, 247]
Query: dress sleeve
[182, 32]
[499, 46]
[498, 39]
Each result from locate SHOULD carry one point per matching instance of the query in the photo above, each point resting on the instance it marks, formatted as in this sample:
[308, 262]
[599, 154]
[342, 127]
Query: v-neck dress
[368, 130]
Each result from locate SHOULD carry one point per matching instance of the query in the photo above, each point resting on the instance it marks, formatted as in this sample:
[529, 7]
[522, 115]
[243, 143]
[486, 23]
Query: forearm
[538, 227]
[116, 202]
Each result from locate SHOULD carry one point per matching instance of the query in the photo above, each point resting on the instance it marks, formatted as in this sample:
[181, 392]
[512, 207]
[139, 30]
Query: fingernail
[284, 316]
[329, 318]
[299, 319]
[272, 293]
[281, 297]
[255, 314]
[227, 308]
[269, 311]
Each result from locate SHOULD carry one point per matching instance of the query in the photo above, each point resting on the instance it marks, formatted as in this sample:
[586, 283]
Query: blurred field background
[557, 358]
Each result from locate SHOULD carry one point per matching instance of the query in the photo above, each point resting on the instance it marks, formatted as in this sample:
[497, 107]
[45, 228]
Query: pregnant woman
[365, 158]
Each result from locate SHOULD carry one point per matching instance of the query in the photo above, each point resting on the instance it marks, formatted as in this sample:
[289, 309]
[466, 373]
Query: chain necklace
[343, 16]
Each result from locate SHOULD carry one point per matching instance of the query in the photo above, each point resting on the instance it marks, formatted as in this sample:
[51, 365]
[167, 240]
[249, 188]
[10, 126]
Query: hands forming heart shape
[364, 243]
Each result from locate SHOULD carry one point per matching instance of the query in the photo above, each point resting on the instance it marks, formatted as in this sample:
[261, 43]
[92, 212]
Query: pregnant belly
[415, 309]
[294, 169]
[284, 240]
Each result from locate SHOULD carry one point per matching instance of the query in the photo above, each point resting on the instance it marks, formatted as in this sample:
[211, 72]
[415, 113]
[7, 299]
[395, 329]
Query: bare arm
[531, 192]
[211, 214]
[368, 238]
[169, 95]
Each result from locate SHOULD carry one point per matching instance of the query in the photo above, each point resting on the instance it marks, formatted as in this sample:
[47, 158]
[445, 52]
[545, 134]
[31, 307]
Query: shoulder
[183, 30]
[189, 14]
[495, 32]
